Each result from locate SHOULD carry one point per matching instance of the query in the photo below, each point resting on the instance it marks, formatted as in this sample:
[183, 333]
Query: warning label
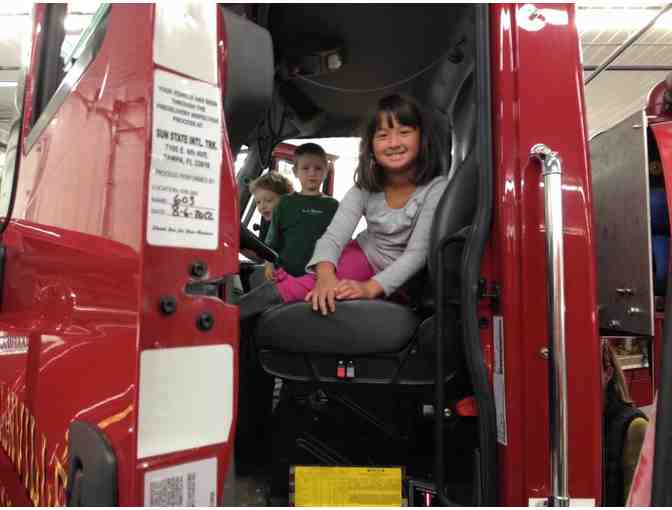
[347, 486]
[183, 204]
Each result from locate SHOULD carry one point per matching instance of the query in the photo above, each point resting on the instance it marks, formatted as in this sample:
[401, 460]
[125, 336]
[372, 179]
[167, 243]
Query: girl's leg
[353, 265]
[293, 288]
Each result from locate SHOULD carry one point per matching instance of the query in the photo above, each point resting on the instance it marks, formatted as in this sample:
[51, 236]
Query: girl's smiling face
[266, 200]
[395, 146]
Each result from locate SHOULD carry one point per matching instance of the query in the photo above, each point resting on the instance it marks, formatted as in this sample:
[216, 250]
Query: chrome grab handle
[551, 169]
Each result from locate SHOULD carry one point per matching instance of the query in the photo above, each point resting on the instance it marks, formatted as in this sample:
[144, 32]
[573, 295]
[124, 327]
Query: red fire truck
[120, 236]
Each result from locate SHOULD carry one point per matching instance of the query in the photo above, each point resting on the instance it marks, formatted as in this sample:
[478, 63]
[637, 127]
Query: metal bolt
[199, 269]
[167, 305]
[545, 353]
[205, 321]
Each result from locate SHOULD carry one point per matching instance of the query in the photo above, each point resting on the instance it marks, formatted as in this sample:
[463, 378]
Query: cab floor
[250, 491]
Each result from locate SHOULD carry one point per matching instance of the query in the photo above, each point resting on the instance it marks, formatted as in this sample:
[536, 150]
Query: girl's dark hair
[368, 175]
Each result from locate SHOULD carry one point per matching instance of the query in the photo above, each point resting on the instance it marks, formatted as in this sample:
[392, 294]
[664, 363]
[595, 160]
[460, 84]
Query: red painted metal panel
[538, 98]
[662, 133]
[80, 280]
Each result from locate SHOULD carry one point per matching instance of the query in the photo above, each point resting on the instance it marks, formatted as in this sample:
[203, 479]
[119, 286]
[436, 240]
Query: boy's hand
[269, 271]
[323, 296]
[352, 289]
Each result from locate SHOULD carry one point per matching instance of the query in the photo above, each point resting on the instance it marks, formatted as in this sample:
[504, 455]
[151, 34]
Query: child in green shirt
[300, 219]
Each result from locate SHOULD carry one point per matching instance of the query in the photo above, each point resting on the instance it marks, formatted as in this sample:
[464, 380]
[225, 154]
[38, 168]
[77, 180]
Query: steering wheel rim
[250, 241]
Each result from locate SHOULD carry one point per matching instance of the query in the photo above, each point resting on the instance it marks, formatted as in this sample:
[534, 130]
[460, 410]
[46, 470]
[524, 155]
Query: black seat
[381, 341]
[357, 328]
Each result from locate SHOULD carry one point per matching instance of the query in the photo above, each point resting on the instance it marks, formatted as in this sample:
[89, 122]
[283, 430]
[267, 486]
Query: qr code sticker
[167, 492]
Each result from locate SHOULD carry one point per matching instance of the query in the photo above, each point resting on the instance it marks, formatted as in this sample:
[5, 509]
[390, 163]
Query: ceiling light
[612, 19]
[7, 84]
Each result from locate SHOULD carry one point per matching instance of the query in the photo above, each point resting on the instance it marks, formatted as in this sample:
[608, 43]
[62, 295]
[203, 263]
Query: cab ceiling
[383, 46]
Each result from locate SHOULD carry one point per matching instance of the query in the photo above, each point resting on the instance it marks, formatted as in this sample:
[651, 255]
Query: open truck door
[120, 234]
[650, 486]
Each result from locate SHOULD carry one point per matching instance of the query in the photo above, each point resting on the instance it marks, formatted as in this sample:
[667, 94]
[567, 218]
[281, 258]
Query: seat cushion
[358, 327]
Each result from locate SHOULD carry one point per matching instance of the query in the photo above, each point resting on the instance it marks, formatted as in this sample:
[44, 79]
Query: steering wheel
[251, 242]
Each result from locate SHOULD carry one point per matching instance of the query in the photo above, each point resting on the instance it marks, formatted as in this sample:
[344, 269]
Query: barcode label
[192, 484]
[191, 489]
[167, 492]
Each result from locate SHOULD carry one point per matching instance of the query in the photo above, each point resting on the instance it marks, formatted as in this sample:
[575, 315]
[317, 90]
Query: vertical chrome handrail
[551, 169]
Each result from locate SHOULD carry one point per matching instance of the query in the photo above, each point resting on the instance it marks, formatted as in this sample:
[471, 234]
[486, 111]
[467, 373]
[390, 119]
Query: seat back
[457, 207]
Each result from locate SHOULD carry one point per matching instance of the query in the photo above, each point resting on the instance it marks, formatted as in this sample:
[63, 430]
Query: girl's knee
[292, 288]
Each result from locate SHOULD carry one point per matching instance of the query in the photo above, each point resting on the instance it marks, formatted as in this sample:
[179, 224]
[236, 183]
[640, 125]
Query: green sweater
[298, 222]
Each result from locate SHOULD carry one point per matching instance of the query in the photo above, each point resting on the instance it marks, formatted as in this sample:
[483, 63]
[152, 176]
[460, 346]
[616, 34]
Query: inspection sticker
[347, 486]
[183, 202]
[192, 484]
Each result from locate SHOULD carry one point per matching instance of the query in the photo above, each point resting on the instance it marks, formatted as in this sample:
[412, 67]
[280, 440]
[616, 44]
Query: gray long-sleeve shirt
[396, 241]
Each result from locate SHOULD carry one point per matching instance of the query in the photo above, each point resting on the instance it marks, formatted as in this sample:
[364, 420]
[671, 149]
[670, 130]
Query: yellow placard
[347, 486]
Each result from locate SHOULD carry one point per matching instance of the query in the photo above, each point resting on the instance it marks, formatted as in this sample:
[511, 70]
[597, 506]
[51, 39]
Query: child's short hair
[310, 148]
[272, 181]
[368, 175]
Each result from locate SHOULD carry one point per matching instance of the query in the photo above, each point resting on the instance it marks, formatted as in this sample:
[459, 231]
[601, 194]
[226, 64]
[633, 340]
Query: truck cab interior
[323, 67]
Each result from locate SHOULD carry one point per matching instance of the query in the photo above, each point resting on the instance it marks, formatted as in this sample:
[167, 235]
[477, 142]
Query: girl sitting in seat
[397, 189]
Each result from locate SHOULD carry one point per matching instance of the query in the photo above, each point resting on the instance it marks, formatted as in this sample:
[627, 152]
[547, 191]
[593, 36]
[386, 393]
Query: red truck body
[85, 286]
[83, 289]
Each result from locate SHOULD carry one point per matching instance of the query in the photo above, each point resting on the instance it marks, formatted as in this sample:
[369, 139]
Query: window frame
[84, 52]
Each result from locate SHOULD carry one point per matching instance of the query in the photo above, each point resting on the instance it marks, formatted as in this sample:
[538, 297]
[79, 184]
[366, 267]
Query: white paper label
[183, 202]
[185, 398]
[498, 378]
[180, 28]
[572, 502]
[192, 484]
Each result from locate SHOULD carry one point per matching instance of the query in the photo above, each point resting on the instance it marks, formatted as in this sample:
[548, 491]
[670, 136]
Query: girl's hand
[269, 271]
[352, 289]
[323, 296]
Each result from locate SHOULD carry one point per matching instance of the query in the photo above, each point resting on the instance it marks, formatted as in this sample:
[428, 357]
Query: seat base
[413, 364]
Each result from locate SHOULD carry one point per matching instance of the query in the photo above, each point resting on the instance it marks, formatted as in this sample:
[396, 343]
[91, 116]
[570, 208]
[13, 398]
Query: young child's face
[266, 200]
[311, 170]
[395, 146]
